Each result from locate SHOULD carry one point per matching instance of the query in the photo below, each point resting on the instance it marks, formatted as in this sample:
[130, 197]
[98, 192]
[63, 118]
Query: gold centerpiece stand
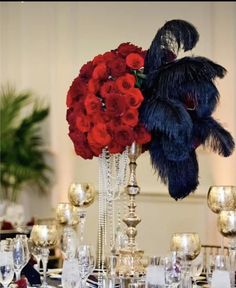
[129, 261]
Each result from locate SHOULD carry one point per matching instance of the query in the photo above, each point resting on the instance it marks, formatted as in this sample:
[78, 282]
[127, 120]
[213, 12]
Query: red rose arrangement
[103, 103]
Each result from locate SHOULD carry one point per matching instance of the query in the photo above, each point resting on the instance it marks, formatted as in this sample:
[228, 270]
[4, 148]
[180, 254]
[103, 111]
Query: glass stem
[186, 281]
[45, 254]
[82, 224]
[222, 245]
[232, 257]
[18, 275]
[83, 283]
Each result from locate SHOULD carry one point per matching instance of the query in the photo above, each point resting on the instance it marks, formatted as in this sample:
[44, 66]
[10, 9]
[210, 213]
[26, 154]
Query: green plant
[22, 151]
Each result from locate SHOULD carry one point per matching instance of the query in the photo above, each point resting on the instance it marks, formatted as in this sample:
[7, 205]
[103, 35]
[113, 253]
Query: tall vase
[129, 261]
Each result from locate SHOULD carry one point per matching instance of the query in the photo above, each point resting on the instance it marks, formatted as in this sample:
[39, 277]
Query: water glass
[86, 260]
[70, 277]
[172, 270]
[6, 264]
[18, 256]
[197, 267]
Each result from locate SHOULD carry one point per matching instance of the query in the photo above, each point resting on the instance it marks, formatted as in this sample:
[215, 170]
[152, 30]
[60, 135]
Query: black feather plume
[183, 177]
[179, 98]
[167, 116]
[210, 133]
[173, 35]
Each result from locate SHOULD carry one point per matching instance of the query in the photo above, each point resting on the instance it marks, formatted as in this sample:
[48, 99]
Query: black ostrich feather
[211, 134]
[179, 98]
[181, 176]
[173, 35]
[167, 116]
[185, 70]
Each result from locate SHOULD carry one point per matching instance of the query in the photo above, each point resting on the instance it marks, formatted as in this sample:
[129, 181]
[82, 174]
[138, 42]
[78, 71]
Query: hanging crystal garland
[112, 177]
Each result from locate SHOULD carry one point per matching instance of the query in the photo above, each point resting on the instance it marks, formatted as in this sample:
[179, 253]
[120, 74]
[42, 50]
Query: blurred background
[42, 48]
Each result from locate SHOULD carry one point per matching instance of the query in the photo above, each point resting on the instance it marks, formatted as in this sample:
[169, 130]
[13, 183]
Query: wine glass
[227, 227]
[36, 252]
[66, 214]
[188, 247]
[24, 240]
[196, 268]
[45, 237]
[86, 260]
[19, 258]
[6, 263]
[221, 198]
[172, 270]
[81, 195]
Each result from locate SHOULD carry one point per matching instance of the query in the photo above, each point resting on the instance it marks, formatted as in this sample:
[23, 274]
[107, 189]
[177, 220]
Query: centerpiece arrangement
[150, 98]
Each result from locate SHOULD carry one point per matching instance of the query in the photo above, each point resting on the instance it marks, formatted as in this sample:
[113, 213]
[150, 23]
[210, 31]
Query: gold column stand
[129, 261]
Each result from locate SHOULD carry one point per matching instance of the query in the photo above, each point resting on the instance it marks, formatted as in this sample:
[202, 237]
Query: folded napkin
[220, 279]
[6, 225]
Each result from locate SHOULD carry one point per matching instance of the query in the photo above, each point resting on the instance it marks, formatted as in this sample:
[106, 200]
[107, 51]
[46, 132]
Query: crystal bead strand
[100, 221]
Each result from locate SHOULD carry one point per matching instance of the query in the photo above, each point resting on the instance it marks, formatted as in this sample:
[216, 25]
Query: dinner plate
[54, 271]
[55, 276]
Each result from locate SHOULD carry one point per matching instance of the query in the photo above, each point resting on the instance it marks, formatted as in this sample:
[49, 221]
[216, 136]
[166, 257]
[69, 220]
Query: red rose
[96, 150]
[134, 98]
[77, 90]
[84, 151]
[117, 66]
[70, 115]
[100, 133]
[141, 135]
[22, 282]
[130, 117]
[81, 144]
[98, 59]
[109, 56]
[134, 61]
[114, 148]
[124, 83]
[86, 71]
[115, 104]
[92, 104]
[100, 72]
[93, 86]
[76, 136]
[124, 135]
[126, 48]
[83, 123]
[107, 88]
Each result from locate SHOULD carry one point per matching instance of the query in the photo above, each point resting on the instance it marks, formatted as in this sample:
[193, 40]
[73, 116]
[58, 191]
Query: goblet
[188, 247]
[66, 214]
[221, 198]
[45, 237]
[81, 195]
[227, 227]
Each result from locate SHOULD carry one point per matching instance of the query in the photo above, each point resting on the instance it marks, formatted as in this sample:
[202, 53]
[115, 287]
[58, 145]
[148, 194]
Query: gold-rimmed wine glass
[81, 195]
[68, 218]
[226, 224]
[221, 198]
[66, 214]
[45, 237]
[187, 246]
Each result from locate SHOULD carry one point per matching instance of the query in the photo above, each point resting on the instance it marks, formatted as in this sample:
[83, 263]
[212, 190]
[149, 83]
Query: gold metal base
[130, 263]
